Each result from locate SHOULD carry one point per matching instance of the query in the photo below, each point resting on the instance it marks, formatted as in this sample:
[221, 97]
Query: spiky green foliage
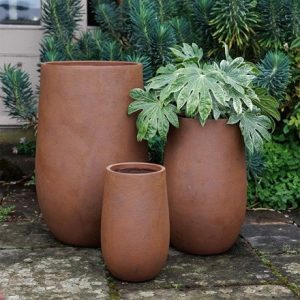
[50, 50]
[19, 97]
[88, 49]
[143, 59]
[234, 21]
[107, 16]
[183, 30]
[273, 25]
[293, 18]
[294, 54]
[195, 89]
[60, 18]
[255, 165]
[144, 27]
[274, 74]
[200, 15]
[60, 21]
[167, 9]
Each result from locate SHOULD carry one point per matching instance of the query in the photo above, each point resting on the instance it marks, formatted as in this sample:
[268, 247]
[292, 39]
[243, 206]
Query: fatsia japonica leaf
[254, 128]
[204, 90]
[237, 76]
[155, 117]
[165, 76]
[236, 72]
[188, 53]
[239, 98]
[193, 89]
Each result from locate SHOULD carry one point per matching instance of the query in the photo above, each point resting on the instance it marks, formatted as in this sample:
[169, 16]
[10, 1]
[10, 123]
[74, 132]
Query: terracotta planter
[207, 184]
[135, 229]
[83, 127]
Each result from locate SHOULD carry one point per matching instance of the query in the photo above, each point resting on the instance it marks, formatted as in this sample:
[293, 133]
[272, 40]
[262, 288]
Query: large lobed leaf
[193, 89]
[254, 128]
[155, 116]
[205, 90]
[188, 53]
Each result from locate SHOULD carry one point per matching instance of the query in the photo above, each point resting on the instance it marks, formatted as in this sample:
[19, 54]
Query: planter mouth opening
[135, 168]
[91, 63]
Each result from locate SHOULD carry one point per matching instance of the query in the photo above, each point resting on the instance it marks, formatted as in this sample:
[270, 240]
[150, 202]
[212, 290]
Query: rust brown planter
[207, 185]
[135, 229]
[83, 127]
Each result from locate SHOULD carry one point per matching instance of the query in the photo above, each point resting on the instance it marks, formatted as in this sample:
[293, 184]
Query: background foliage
[144, 30]
[280, 184]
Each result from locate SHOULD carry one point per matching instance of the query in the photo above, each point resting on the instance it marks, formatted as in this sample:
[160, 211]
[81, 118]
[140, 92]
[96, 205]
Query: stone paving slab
[295, 215]
[33, 265]
[266, 216]
[191, 271]
[289, 266]
[271, 238]
[60, 273]
[26, 235]
[237, 293]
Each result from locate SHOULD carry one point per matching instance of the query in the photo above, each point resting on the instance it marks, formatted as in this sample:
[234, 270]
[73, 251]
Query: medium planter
[135, 229]
[207, 184]
[83, 127]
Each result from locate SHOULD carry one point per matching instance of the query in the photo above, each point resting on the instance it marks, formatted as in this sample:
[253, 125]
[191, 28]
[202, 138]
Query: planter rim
[92, 64]
[118, 167]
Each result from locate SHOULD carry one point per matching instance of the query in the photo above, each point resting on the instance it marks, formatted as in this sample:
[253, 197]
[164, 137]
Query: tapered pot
[207, 185]
[83, 127]
[135, 229]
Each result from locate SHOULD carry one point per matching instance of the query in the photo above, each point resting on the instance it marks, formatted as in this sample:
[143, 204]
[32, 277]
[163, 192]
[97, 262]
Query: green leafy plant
[5, 212]
[144, 30]
[192, 88]
[25, 147]
[279, 184]
[292, 124]
[31, 181]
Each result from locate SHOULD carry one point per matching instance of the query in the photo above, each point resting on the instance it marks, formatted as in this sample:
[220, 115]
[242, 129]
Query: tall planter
[83, 127]
[207, 185]
[135, 231]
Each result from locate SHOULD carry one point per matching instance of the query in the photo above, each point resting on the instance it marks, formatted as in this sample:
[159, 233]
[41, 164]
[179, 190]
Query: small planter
[207, 184]
[83, 127]
[135, 230]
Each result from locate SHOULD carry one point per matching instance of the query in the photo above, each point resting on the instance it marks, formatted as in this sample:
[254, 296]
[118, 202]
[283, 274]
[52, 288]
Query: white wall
[20, 45]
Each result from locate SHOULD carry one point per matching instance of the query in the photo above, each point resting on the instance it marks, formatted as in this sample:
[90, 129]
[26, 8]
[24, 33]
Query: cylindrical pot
[83, 127]
[207, 185]
[135, 228]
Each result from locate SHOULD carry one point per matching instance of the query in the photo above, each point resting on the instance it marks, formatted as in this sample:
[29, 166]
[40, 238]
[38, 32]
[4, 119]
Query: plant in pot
[218, 112]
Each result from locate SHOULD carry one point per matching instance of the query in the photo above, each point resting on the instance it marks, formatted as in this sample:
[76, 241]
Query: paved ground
[264, 263]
